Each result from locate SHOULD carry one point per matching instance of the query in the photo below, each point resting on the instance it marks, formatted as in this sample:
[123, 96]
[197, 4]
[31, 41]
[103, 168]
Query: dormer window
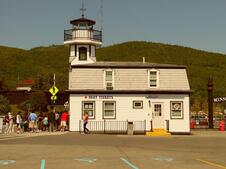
[153, 78]
[83, 53]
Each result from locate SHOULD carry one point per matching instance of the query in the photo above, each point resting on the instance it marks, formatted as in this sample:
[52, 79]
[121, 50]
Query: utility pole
[210, 102]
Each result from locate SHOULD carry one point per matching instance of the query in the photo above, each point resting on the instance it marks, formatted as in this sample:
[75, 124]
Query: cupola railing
[82, 34]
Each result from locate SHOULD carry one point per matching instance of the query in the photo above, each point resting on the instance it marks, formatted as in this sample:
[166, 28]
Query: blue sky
[199, 24]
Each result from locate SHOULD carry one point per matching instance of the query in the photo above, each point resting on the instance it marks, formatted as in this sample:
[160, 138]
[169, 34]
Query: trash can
[130, 128]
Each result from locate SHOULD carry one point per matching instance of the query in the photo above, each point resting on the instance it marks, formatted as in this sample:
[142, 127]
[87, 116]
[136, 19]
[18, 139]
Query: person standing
[85, 122]
[45, 122]
[64, 119]
[19, 122]
[39, 123]
[10, 129]
[33, 121]
[51, 120]
[57, 121]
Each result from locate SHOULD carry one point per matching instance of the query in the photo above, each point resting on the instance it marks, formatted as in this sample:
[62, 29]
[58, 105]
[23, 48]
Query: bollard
[222, 124]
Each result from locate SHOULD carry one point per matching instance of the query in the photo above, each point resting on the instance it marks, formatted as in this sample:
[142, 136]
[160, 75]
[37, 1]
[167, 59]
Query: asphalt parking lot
[74, 150]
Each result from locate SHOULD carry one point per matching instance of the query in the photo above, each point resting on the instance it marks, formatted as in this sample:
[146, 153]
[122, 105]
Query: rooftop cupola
[82, 32]
[83, 40]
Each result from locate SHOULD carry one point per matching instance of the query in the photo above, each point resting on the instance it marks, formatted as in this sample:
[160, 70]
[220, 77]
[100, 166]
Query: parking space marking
[211, 164]
[7, 162]
[88, 160]
[129, 164]
[42, 164]
[163, 159]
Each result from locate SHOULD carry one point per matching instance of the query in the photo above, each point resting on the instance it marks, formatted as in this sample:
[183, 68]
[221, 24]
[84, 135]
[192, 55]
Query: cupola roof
[82, 20]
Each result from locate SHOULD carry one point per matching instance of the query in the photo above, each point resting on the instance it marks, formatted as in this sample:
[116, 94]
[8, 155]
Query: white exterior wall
[129, 79]
[76, 60]
[125, 111]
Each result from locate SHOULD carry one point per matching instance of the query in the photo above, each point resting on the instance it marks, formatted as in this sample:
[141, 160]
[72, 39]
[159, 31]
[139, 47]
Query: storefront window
[109, 111]
[89, 107]
[176, 110]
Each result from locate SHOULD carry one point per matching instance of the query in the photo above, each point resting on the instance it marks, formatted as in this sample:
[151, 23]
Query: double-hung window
[109, 79]
[89, 107]
[153, 78]
[109, 110]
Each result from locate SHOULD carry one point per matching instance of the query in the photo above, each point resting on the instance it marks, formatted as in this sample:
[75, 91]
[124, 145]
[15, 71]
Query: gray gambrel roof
[128, 65]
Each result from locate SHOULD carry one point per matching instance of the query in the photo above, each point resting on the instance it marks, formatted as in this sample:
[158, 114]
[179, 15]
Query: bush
[4, 105]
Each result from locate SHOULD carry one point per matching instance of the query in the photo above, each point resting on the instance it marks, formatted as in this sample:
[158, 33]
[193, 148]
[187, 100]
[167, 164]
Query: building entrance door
[157, 116]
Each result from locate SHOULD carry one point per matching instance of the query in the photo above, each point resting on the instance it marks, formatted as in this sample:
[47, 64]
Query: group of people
[36, 122]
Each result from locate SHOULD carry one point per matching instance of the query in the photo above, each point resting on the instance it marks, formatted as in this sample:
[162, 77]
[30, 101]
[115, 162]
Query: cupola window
[82, 53]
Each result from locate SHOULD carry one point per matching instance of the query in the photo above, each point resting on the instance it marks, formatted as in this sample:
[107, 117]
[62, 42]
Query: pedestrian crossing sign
[53, 90]
[53, 98]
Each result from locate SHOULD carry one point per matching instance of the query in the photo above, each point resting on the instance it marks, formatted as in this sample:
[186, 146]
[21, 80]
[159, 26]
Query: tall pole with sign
[53, 90]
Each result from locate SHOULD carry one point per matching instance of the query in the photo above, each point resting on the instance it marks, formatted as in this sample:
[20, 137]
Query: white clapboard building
[152, 96]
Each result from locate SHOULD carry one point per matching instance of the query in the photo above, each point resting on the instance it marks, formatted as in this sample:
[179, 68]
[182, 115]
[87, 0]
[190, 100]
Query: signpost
[53, 90]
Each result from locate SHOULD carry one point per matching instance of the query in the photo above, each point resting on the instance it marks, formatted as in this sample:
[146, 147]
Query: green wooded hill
[44, 61]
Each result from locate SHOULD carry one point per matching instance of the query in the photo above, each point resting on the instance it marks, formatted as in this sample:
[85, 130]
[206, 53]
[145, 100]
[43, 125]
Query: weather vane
[83, 9]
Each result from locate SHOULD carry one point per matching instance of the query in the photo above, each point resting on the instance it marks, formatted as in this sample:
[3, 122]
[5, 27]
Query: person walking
[85, 122]
[10, 129]
[64, 119]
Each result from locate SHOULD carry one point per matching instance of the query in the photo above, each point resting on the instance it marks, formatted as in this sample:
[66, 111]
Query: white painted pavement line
[32, 135]
[168, 159]
[7, 162]
[129, 164]
[211, 164]
[88, 160]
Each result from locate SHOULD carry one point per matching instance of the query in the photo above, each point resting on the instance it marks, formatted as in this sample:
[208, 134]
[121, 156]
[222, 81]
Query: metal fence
[203, 123]
[113, 127]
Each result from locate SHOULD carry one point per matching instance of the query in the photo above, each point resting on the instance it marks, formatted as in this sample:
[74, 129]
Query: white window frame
[112, 81]
[157, 78]
[107, 117]
[86, 109]
[138, 107]
[176, 110]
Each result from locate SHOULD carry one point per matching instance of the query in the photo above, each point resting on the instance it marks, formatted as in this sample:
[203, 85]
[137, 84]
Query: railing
[82, 34]
[151, 124]
[167, 125]
[110, 126]
[139, 127]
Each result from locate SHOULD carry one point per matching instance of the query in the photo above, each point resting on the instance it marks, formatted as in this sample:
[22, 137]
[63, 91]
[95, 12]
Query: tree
[39, 82]
[4, 105]
[3, 86]
[38, 101]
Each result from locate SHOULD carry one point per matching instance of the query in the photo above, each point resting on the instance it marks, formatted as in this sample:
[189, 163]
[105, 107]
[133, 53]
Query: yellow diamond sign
[53, 90]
